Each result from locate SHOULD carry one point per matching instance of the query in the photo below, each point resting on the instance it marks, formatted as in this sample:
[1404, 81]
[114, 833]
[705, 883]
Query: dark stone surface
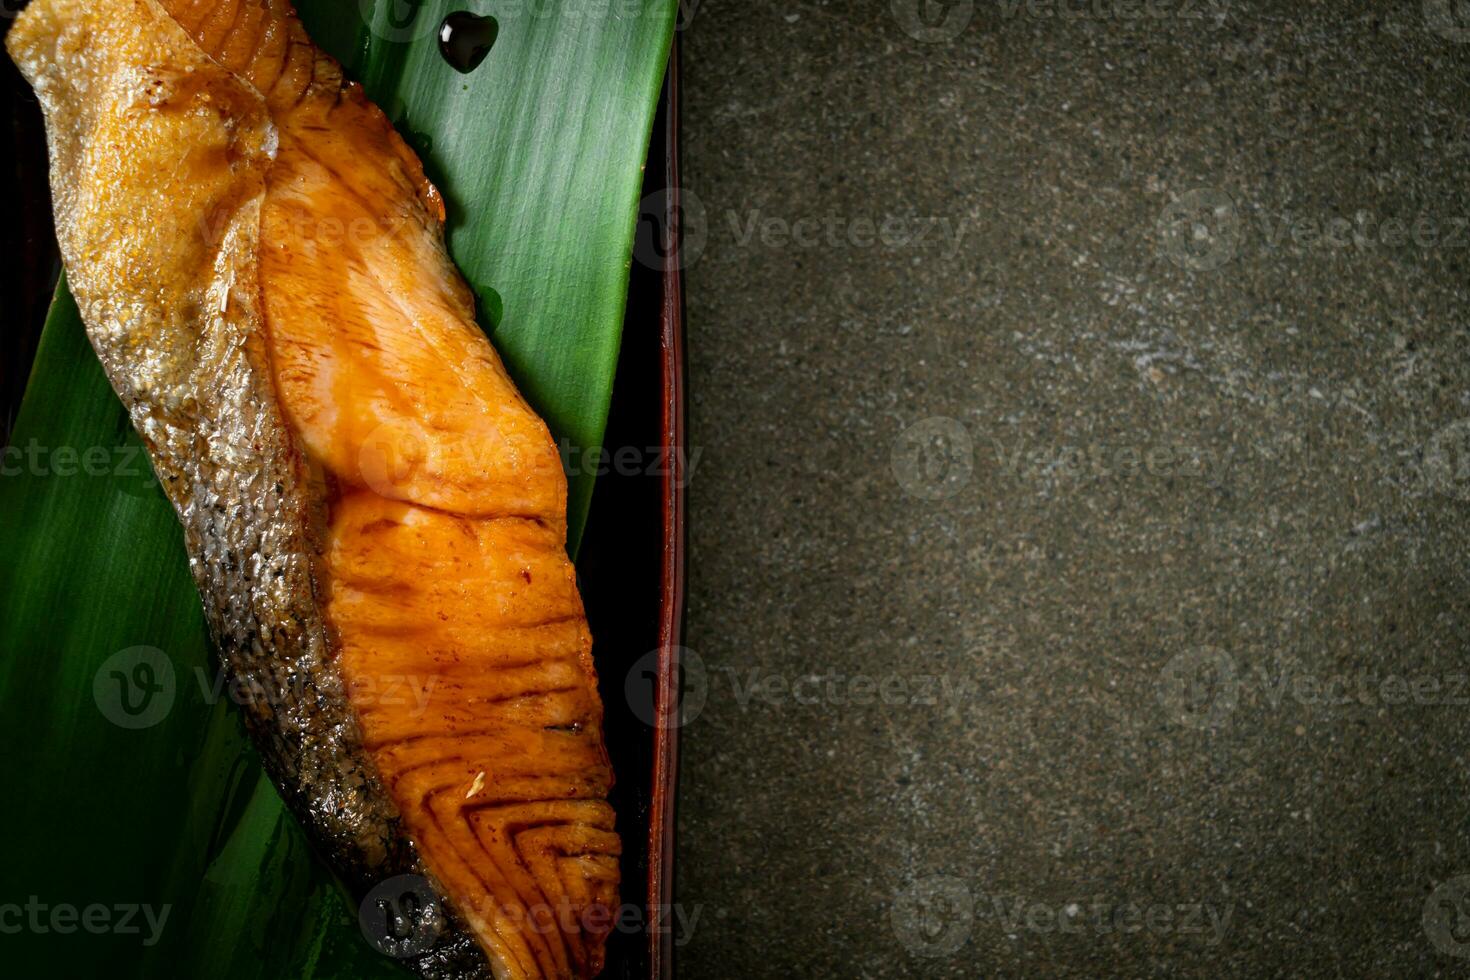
[1193, 488]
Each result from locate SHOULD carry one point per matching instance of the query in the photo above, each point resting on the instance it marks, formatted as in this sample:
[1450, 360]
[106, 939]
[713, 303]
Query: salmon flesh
[375, 518]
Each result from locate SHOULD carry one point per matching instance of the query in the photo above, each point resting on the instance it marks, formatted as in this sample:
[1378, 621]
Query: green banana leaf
[141, 838]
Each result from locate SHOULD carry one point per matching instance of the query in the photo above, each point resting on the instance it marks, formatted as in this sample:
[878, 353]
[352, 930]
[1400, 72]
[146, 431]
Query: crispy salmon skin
[368, 503]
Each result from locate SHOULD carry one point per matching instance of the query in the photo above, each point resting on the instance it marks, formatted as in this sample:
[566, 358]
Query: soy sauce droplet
[465, 39]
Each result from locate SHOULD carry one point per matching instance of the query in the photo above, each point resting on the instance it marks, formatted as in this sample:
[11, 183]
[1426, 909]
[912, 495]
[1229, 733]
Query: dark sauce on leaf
[465, 39]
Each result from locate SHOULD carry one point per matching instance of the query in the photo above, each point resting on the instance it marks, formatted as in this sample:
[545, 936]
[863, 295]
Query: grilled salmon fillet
[375, 518]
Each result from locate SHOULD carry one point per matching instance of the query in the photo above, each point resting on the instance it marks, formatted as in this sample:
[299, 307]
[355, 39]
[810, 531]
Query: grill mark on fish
[255, 366]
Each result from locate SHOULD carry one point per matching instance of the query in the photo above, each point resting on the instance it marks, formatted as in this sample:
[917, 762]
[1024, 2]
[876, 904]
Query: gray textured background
[1143, 467]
